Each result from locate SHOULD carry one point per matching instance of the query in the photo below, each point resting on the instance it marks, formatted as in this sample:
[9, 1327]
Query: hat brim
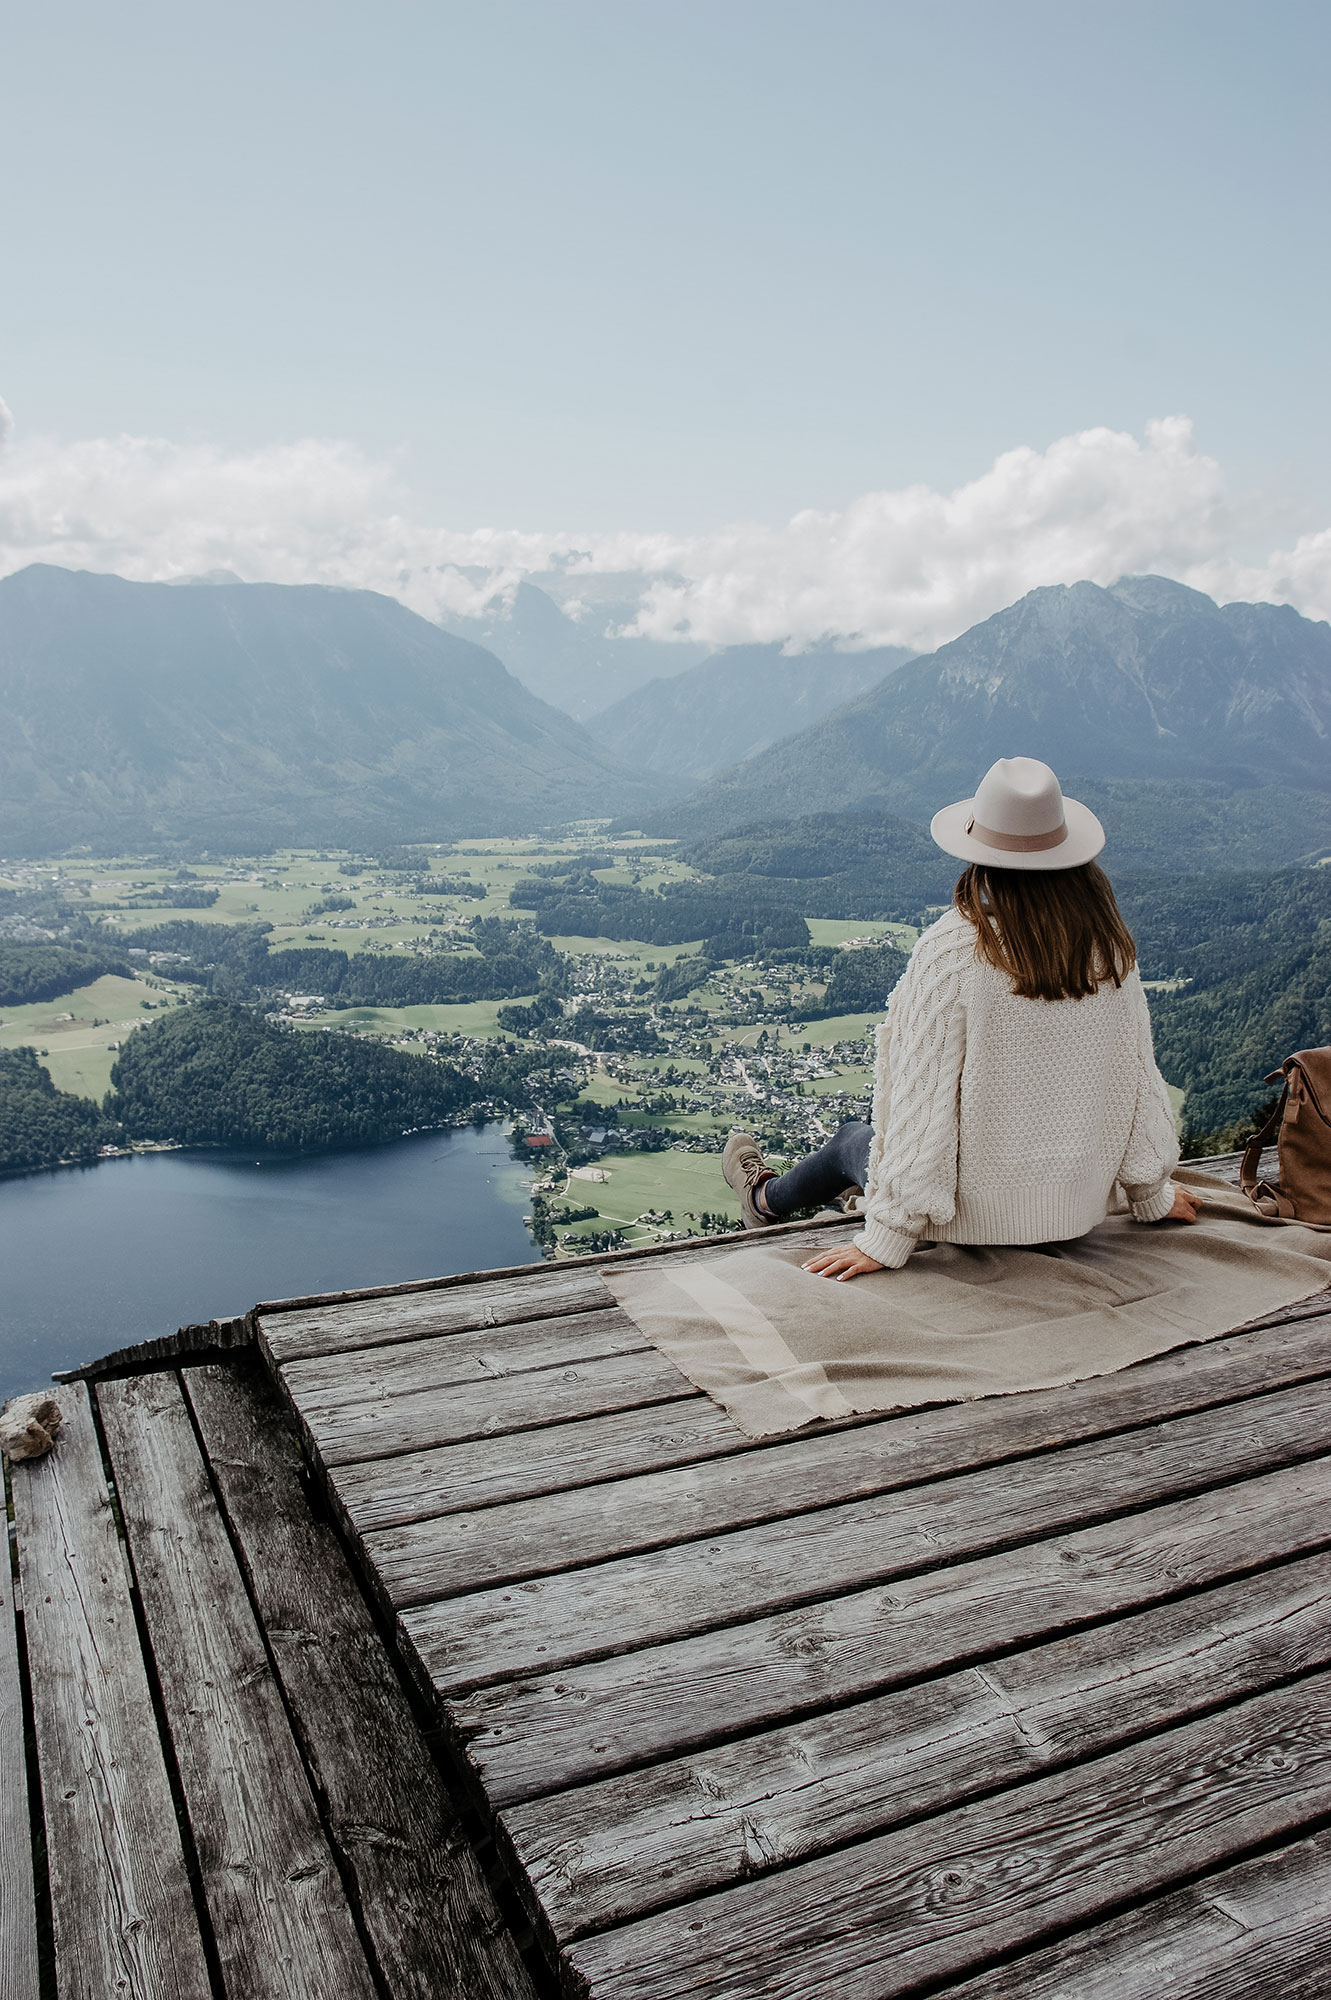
[1085, 839]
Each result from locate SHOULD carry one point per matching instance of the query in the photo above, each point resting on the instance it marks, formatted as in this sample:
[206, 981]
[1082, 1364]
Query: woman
[1015, 1084]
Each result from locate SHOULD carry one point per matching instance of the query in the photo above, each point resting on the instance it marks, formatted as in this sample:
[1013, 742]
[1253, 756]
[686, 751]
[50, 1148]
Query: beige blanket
[777, 1347]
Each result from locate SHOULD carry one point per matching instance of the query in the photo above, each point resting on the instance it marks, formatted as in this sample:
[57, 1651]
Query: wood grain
[581, 1723]
[667, 1593]
[325, 1387]
[18, 1909]
[380, 1492]
[328, 1321]
[279, 1912]
[491, 1545]
[432, 1922]
[612, 1851]
[451, 1414]
[124, 1915]
[940, 1897]
[1260, 1930]
[542, 1293]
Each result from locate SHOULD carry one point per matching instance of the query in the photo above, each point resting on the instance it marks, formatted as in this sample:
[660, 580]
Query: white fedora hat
[1019, 818]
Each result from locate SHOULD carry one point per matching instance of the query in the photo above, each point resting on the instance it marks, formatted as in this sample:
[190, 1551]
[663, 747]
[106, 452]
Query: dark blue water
[93, 1258]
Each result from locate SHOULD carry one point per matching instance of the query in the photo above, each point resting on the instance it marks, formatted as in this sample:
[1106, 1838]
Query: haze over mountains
[240, 714]
[734, 704]
[577, 662]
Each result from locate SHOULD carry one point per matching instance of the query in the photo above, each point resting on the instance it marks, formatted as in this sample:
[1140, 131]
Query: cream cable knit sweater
[1003, 1120]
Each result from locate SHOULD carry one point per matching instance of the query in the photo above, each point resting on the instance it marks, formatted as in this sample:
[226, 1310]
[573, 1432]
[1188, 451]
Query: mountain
[574, 661]
[1146, 680]
[244, 713]
[734, 704]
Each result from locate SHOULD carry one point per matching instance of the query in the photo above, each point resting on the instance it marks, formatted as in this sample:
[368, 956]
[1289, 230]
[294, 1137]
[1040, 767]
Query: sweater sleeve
[917, 1077]
[1152, 1150]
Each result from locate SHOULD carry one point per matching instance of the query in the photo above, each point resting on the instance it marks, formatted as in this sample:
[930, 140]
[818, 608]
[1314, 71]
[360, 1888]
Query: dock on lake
[445, 1640]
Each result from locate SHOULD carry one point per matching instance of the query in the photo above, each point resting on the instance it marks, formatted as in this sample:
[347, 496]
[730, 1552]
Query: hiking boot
[745, 1171]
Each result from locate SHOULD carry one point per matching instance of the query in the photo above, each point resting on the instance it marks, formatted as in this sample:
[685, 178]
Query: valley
[619, 1062]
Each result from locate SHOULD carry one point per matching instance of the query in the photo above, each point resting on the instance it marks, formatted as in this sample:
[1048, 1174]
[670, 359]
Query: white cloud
[912, 567]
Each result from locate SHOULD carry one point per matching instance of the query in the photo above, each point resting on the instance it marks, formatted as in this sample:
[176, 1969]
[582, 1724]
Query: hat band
[1018, 843]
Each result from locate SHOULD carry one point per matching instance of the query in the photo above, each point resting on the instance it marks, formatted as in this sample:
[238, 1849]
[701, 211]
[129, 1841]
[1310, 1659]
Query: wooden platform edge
[19, 1974]
[543, 1266]
[193, 1343]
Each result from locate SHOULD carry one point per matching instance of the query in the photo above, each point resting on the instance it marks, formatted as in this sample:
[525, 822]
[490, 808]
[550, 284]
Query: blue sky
[672, 264]
[363, 293]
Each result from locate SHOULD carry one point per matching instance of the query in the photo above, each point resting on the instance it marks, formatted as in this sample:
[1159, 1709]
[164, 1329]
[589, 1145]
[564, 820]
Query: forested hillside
[576, 904]
[31, 972]
[1256, 953]
[218, 1072]
[41, 1126]
[848, 864]
[236, 962]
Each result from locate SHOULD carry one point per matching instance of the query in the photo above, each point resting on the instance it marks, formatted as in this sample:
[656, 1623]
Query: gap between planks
[123, 1909]
[577, 1724]
[935, 1900]
[609, 1852]
[279, 1909]
[501, 1634]
[438, 1552]
[1259, 1930]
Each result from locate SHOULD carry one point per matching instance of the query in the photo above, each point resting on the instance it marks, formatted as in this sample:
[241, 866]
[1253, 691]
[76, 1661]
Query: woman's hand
[1186, 1205]
[841, 1264]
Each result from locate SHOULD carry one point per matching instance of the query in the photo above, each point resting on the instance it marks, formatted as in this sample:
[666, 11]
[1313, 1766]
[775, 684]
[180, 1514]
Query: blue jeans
[819, 1177]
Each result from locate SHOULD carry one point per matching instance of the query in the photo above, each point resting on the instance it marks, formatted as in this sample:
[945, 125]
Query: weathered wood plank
[544, 1293]
[18, 1909]
[1260, 1930]
[940, 1897]
[215, 1336]
[471, 1549]
[641, 1600]
[581, 1723]
[610, 1852]
[432, 1921]
[333, 1383]
[378, 1492]
[279, 1912]
[123, 1911]
[487, 1408]
[321, 1312]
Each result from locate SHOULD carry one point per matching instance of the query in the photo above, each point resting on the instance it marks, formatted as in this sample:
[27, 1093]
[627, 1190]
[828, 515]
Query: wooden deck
[1026, 1697]
[235, 1801]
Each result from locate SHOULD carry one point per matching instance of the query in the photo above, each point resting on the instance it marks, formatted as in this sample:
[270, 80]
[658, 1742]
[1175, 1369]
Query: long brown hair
[1057, 932]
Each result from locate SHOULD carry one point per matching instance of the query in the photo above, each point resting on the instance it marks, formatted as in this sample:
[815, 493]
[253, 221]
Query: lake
[93, 1258]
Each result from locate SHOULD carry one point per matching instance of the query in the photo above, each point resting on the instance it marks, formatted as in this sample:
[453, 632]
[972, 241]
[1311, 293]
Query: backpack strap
[1263, 1196]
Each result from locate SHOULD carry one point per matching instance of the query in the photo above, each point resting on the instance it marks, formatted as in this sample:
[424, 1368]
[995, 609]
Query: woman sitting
[1015, 1084]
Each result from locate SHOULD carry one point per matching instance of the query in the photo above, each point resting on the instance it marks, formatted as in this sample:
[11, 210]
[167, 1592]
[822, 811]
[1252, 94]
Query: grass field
[73, 1035]
[602, 1088]
[832, 930]
[856, 1082]
[818, 1034]
[464, 1017]
[639, 1181]
[627, 948]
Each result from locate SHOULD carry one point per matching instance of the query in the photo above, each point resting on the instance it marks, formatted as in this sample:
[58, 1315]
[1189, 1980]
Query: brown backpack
[1302, 1192]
